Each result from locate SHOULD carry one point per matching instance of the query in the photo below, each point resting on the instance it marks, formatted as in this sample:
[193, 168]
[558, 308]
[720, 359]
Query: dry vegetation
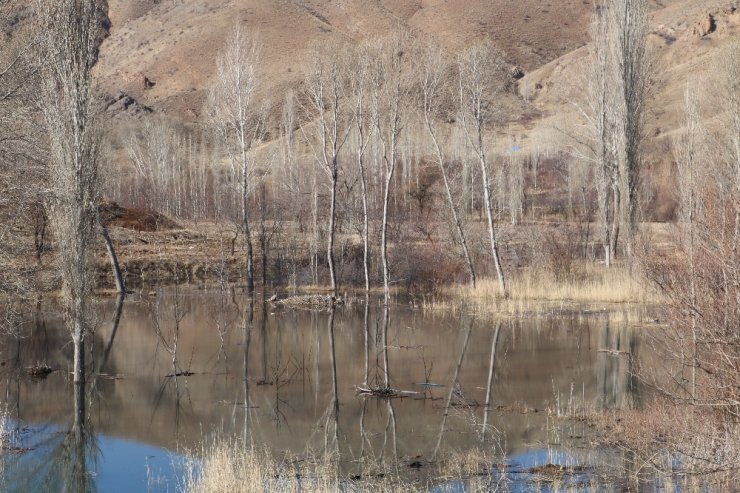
[230, 465]
[377, 161]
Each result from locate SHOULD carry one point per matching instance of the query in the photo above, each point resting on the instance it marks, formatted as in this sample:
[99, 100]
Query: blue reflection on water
[518, 474]
[43, 460]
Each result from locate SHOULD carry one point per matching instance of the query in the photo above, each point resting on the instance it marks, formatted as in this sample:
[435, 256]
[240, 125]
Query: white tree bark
[239, 124]
[431, 70]
[479, 68]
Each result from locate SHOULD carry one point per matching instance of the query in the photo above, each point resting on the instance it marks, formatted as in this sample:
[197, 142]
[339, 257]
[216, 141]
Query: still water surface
[288, 380]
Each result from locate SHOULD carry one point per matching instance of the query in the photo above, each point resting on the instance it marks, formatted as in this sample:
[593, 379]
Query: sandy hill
[174, 43]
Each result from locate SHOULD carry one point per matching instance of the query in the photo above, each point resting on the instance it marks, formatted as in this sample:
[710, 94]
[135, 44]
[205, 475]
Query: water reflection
[179, 364]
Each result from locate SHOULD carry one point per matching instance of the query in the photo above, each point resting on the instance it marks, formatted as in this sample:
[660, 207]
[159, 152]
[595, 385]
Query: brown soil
[138, 219]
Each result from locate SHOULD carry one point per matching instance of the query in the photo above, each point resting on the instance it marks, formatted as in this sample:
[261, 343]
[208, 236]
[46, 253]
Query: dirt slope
[174, 44]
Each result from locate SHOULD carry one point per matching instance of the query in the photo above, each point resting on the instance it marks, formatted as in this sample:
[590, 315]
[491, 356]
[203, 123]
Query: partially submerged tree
[69, 48]
[238, 122]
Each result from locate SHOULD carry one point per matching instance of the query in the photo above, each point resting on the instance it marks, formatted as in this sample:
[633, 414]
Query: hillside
[174, 44]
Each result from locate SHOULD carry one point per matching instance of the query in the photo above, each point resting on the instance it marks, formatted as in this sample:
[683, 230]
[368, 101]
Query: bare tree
[22, 174]
[480, 78]
[157, 153]
[326, 85]
[69, 50]
[687, 149]
[600, 119]
[432, 71]
[390, 90]
[699, 343]
[628, 30]
[238, 122]
[360, 92]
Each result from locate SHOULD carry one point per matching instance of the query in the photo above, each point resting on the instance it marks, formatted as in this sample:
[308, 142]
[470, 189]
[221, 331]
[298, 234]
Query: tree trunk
[365, 225]
[494, 245]
[330, 240]
[118, 276]
[615, 223]
[384, 235]
[451, 202]
[489, 218]
[78, 341]
[247, 232]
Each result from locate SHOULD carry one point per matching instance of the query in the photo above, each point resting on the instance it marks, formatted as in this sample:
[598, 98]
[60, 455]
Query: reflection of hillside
[536, 360]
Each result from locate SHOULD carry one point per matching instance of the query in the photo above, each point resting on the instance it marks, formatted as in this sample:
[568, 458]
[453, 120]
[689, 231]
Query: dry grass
[702, 454]
[230, 466]
[590, 287]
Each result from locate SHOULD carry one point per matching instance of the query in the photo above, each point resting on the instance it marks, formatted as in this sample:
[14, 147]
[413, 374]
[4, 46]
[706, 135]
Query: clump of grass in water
[228, 465]
[532, 291]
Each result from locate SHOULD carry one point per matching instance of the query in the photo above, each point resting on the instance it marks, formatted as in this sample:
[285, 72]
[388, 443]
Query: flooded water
[180, 365]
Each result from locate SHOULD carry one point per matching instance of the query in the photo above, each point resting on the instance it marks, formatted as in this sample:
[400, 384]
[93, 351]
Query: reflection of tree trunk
[453, 384]
[78, 478]
[248, 318]
[366, 330]
[116, 321]
[616, 382]
[263, 336]
[334, 406]
[489, 385]
[386, 367]
[392, 427]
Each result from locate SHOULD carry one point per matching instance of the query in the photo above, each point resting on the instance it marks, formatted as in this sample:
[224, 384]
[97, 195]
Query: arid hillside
[161, 53]
[174, 44]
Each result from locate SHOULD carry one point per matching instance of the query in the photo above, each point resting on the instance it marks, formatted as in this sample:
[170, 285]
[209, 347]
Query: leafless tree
[22, 171]
[239, 123]
[688, 152]
[698, 346]
[157, 153]
[361, 91]
[480, 79]
[326, 86]
[628, 30]
[69, 50]
[434, 81]
[598, 144]
[390, 90]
